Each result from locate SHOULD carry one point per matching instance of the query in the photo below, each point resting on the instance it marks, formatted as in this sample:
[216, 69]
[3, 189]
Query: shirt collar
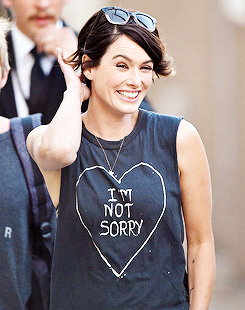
[22, 44]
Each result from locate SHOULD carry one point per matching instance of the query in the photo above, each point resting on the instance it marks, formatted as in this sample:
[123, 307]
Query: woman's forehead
[126, 47]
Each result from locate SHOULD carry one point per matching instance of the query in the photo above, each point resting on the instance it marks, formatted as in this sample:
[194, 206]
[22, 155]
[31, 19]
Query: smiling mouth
[129, 94]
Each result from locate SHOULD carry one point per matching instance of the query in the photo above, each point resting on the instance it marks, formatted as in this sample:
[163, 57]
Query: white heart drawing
[119, 181]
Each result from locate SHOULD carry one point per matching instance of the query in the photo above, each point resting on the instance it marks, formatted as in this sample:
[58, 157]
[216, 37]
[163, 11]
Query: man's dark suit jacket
[51, 98]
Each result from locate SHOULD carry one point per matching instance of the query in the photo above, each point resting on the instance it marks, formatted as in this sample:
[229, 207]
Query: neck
[108, 127]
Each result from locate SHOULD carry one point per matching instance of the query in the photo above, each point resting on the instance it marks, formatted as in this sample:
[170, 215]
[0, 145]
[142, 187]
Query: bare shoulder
[190, 148]
[187, 134]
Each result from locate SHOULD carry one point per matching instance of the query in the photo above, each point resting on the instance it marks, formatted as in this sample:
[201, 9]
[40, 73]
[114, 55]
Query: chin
[130, 109]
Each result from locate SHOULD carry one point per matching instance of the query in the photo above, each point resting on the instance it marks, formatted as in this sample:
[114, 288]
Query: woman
[122, 177]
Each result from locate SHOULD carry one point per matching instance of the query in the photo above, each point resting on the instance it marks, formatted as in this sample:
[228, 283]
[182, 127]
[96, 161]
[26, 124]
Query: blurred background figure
[21, 241]
[36, 83]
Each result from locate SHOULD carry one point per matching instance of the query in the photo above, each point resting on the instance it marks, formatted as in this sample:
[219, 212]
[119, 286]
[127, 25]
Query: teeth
[129, 95]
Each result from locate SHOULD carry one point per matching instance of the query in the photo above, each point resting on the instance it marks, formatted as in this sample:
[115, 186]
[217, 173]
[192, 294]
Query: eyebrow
[130, 60]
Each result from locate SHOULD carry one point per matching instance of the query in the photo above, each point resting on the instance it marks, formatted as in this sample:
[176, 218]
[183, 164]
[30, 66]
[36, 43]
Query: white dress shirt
[24, 62]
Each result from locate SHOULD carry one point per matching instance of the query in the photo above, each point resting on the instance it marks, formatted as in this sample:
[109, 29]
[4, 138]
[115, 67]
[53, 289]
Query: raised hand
[71, 78]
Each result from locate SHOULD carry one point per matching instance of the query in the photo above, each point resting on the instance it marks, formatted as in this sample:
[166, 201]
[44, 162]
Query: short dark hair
[98, 34]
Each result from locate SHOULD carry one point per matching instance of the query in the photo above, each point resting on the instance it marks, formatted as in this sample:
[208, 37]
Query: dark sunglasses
[119, 16]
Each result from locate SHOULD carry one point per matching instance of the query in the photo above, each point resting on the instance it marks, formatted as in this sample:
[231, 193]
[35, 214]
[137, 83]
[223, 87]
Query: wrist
[74, 93]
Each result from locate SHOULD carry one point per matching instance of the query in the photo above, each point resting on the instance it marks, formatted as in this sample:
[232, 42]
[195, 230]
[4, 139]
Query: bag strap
[42, 206]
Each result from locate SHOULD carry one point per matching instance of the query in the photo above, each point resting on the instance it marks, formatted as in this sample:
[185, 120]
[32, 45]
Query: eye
[147, 68]
[121, 65]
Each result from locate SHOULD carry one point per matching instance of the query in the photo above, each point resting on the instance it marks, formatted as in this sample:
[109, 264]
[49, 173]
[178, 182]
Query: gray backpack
[43, 219]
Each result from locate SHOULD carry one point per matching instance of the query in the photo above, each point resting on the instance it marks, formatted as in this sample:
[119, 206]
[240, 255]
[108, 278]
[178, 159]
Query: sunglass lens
[117, 16]
[146, 21]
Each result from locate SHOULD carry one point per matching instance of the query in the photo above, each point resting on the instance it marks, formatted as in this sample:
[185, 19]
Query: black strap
[42, 207]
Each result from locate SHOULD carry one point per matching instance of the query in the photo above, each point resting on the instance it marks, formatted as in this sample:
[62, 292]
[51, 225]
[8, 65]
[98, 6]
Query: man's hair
[4, 28]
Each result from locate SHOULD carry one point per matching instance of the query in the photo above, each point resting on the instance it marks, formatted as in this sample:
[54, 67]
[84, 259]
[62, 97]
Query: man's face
[32, 15]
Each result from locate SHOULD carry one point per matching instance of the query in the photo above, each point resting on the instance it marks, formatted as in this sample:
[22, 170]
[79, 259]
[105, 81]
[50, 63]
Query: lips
[129, 94]
[42, 20]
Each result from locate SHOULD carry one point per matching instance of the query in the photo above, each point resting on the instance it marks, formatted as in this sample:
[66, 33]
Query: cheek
[58, 7]
[147, 81]
[115, 79]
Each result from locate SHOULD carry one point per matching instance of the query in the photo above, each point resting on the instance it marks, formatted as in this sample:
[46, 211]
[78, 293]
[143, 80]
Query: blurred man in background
[36, 83]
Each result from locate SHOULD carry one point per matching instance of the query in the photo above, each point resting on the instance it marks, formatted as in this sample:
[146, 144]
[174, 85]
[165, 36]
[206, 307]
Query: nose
[134, 79]
[42, 3]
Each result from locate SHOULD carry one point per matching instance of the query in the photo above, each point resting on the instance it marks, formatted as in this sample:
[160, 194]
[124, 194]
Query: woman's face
[122, 79]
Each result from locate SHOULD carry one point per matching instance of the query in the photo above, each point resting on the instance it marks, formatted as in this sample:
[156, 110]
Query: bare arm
[55, 146]
[197, 204]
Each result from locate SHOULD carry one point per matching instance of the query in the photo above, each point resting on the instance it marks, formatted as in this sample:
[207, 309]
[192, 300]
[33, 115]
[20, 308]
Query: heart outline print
[119, 181]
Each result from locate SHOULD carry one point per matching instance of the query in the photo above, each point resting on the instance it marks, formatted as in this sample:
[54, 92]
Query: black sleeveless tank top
[119, 239]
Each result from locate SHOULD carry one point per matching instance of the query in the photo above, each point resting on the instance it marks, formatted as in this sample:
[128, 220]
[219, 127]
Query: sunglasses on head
[119, 16]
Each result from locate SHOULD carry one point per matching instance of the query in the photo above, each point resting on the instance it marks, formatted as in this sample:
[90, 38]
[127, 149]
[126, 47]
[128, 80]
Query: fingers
[60, 53]
[61, 56]
[70, 76]
[63, 65]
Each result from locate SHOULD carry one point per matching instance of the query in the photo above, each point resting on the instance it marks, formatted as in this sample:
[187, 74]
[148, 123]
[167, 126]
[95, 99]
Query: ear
[4, 78]
[88, 73]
